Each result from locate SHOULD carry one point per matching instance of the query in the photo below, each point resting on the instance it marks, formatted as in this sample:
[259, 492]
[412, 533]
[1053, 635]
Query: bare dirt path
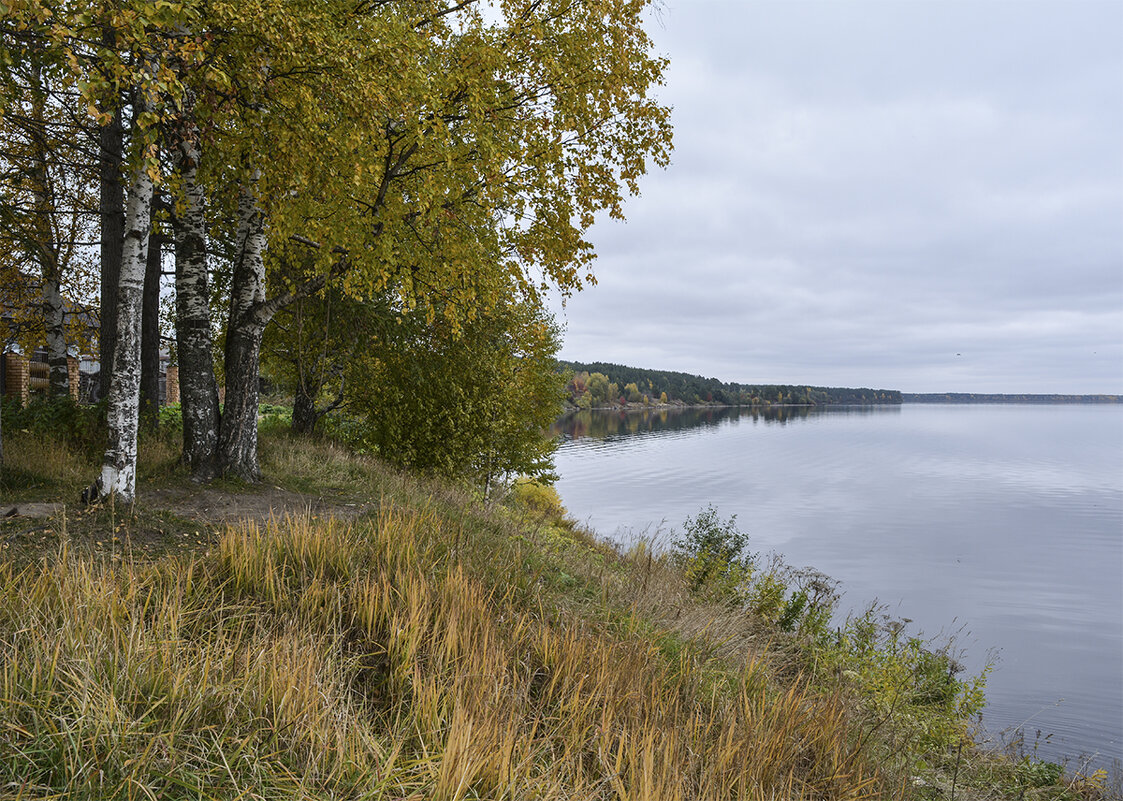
[216, 506]
[165, 520]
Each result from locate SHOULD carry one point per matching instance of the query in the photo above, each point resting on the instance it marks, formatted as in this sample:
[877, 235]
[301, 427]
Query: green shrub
[79, 425]
[274, 417]
[714, 558]
[793, 610]
[1031, 772]
[346, 430]
[766, 598]
[793, 600]
[911, 679]
[537, 497]
[170, 418]
[713, 555]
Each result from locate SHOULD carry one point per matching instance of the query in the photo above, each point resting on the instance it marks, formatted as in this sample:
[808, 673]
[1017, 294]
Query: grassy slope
[433, 648]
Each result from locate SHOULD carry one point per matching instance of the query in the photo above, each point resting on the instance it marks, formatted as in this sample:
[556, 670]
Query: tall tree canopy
[453, 152]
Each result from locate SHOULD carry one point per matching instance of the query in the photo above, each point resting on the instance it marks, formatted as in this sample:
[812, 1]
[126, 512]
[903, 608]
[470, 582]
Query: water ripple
[1009, 518]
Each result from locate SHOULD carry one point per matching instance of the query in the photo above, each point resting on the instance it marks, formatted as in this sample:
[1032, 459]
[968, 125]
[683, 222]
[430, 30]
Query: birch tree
[194, 342]
[112, 50]
[118, 471]
[44, 203]
[420, 146]
[142, 63]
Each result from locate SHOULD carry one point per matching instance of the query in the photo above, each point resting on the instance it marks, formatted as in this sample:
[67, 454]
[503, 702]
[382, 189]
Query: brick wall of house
[171, 385]
[16, 377]
[72, 374]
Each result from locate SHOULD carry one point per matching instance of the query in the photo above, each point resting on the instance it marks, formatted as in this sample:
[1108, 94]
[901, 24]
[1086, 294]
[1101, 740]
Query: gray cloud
[862, 191]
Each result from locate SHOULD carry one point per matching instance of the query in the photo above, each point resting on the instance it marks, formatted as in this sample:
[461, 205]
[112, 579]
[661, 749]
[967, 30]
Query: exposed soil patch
[211, 506]
[165, 520]
[34, 510]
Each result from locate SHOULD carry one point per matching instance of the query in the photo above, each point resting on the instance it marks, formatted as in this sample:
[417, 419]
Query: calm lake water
[1002, 524]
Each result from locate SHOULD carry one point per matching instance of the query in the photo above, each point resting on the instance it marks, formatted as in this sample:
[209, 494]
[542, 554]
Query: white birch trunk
[46, 242]
[237, 439]
[118, 471]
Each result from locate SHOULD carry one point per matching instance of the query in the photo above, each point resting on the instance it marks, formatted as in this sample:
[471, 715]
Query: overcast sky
[909, 194]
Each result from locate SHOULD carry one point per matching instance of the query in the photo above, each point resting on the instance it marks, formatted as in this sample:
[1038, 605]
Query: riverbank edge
[907, 398]
[334, 483]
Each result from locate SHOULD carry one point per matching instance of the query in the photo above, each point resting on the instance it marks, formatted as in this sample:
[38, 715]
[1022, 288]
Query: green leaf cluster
[472, 404]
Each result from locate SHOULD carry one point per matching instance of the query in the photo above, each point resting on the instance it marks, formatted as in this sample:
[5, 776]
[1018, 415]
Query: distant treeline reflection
[608, 423]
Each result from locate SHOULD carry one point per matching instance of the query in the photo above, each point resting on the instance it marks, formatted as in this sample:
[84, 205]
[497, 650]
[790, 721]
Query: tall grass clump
[48, 445]
[53, 446]
[305, 659]
[39, 466]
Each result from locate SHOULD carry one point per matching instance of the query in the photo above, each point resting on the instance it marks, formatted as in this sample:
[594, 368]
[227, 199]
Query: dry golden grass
[40, 465]
[444, 648]
[51, 460]
[309, 660]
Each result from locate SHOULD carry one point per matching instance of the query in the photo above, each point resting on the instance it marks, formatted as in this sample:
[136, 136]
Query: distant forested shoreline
[600, 384]
[983, 397]
[605, 384]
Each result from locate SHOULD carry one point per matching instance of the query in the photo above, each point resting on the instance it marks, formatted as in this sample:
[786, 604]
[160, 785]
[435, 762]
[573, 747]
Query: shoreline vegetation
[603, 385]
[348, 630]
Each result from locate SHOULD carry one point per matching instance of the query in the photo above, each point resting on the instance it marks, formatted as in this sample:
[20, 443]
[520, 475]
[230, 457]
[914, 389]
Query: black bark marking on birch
[150, 335]
[194, 345]
[111, 208]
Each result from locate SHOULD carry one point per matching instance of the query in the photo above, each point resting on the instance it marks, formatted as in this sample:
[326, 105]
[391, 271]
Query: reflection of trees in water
[608, 423]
